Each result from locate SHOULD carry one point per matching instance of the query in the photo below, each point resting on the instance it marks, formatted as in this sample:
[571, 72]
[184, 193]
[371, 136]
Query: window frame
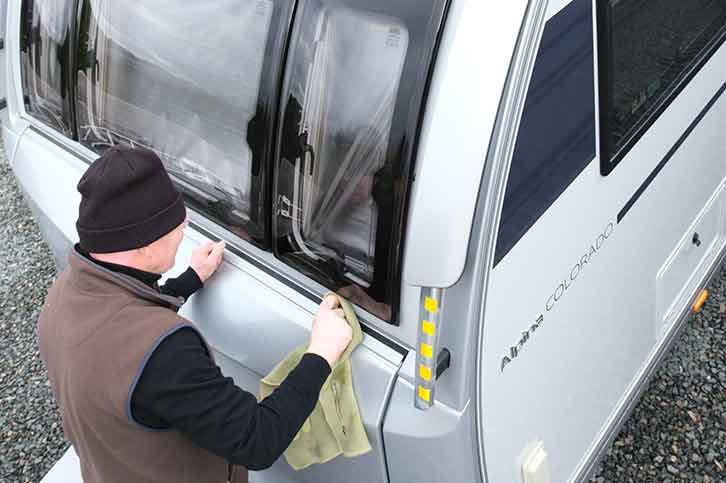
[408, 149]
[265, 257]
[610, 158]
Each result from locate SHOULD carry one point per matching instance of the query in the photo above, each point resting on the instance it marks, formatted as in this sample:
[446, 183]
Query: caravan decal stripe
[670, 154]
[556, 139]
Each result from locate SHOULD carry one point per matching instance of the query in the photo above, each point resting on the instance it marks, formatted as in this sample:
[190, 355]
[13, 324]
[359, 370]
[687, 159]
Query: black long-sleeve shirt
[182, 388]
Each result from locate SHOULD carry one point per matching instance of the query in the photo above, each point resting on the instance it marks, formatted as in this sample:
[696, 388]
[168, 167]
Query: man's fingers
[205, 248]
[340, 313]
[218, 251]
[330, 302]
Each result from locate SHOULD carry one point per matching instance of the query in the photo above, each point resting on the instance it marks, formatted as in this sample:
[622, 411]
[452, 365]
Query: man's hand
[206, 258]
[331, 333]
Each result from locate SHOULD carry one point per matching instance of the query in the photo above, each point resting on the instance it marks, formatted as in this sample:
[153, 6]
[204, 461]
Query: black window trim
[608, 159]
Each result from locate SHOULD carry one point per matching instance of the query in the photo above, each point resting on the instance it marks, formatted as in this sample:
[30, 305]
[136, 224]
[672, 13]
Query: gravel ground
[31, 438]
[676, 434]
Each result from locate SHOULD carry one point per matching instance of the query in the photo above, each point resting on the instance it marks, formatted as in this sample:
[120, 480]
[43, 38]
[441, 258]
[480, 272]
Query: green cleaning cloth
[335, 425]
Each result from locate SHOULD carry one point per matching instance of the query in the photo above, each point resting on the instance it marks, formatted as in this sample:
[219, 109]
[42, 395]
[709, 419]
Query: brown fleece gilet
[96, 331]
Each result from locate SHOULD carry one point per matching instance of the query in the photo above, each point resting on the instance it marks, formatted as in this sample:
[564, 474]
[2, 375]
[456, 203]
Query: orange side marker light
[700, 301]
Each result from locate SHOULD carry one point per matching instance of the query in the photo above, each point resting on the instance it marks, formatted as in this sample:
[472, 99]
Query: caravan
[523, 200]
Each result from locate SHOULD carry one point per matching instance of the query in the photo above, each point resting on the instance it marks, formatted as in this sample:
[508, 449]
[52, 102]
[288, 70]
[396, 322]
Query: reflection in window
[648, 48]
[45, 43]
[181, 78]
[352, 74]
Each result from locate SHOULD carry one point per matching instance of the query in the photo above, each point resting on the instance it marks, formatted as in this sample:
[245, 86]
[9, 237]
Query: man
[140, 396]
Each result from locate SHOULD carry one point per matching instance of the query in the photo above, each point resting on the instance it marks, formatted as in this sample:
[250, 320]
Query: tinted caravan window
[194, 81]
[45, 43]
[649, 50]
[353, 89]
